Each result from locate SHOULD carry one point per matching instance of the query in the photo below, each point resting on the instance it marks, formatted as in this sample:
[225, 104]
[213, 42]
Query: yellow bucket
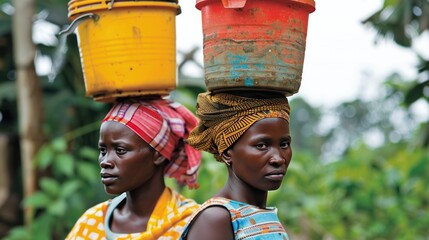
[127, 48]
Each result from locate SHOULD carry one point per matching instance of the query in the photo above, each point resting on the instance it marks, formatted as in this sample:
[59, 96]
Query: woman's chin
[112, 191]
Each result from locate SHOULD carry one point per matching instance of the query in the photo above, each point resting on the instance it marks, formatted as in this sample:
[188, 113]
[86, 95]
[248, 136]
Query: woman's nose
[277, 158]
[105, 161]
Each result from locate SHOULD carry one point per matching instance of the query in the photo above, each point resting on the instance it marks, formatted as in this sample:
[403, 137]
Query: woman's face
[126, 161]
[262, 154]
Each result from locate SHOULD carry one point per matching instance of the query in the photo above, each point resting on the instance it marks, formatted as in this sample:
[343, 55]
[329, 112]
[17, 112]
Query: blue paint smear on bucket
[259, 65]
[235, 74]
[248, 82]
[237, 59]
[238, 64]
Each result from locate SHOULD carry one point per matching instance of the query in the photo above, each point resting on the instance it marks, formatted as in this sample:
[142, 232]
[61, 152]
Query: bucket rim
[311, 4]
[78, 7]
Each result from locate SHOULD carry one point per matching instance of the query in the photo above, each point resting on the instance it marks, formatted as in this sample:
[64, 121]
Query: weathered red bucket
[254, 44]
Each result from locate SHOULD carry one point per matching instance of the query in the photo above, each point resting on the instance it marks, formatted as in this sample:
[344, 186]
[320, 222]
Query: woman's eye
[102, 150]
[121, 151]
[285, 145]
[261, 146]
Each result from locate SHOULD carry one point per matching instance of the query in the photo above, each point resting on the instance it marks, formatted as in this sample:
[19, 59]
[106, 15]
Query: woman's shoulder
[216, 209]
[95, 213]
[97, 208]
[216, 216]
[234, 207]
[89, 222]
[212, 220]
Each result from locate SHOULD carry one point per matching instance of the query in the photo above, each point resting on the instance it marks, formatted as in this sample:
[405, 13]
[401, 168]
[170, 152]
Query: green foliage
[386, 196]
[305, 121]
[369, 194]
[68, 161]
[66, 192]
[212, 177]
[403, 21]
[372, 193]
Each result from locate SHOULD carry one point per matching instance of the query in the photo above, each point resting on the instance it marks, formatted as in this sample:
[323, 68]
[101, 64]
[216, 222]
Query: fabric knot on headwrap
[225, 117]
[164, 125]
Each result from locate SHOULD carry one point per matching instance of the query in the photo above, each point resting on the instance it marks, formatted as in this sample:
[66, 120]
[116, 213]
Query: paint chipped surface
[261, 46]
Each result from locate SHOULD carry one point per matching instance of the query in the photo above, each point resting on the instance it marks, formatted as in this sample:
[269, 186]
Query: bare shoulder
[212, 223]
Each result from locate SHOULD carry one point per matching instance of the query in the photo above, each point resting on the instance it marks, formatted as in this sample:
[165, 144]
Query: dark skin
[258, 162]
[128, 164]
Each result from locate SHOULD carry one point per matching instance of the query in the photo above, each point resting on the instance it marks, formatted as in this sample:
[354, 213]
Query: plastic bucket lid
[310, 4]
[78, 7]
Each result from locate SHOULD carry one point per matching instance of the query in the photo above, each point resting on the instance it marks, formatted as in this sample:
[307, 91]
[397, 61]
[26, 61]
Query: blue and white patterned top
[248, 222]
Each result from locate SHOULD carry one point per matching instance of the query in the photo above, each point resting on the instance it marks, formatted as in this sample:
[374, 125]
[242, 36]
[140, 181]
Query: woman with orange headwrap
[250, 133]
[140, 142]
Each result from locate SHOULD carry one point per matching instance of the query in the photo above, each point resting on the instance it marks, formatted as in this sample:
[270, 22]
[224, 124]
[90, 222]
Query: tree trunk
[4, 173]
[29, 95]
[9, 200]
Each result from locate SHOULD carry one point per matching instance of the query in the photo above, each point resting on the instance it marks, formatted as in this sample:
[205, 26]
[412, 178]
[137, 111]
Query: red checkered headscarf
[164, 125]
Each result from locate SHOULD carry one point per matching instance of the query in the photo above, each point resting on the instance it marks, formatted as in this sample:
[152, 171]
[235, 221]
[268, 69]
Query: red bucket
[254, 44]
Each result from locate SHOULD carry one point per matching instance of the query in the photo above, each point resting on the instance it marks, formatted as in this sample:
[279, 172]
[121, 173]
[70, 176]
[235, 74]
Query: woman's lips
[275, 176]
[107, 178]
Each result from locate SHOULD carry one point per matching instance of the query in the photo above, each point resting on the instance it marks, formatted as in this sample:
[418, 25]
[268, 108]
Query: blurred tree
[378, 121]
[306, 126]
[403, 21]
[70, 124]
[29, 94]
[10, 187]
[372, 191]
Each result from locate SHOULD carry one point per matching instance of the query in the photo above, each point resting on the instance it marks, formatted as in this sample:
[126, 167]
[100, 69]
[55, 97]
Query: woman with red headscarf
[140, 142]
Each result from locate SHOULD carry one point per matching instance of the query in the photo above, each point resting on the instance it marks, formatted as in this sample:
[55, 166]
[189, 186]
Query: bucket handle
[233, 3]
[70, 29]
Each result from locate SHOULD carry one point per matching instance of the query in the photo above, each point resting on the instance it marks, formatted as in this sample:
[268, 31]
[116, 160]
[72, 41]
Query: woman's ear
[158, 158]
[226, 157]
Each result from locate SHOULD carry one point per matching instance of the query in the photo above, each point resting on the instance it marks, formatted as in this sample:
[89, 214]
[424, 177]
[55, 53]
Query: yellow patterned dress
[166, 222]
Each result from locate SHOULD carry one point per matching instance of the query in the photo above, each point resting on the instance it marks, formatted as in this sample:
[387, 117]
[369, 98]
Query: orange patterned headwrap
[225, 117]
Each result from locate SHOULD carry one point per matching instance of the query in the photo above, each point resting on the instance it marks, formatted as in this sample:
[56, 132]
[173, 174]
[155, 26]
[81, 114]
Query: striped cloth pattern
[225, 117]
[248, 222]
[164, 125]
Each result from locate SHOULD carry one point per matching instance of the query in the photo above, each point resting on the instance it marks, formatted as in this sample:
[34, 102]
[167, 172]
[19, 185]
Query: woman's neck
[134, 213]
[240, 191]
[142, 201]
